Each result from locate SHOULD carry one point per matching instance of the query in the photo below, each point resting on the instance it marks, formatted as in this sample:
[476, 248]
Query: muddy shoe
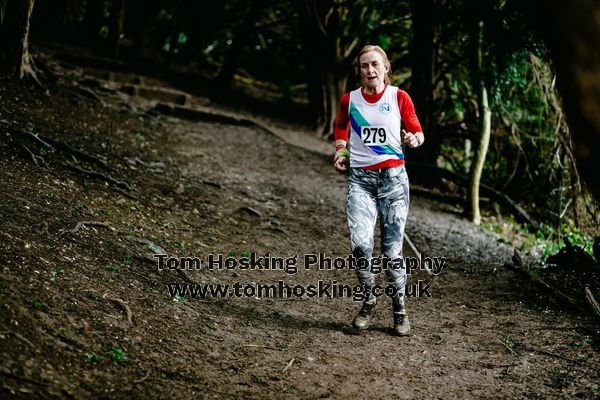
[401, 323]
[363, 318]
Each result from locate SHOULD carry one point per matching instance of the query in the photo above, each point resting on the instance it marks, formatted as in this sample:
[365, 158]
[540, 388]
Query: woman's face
[372, 70]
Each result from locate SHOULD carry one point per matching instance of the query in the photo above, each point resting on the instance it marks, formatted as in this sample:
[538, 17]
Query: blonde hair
[386, 61]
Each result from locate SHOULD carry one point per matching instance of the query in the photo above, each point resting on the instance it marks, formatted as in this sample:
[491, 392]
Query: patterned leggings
[383, 192]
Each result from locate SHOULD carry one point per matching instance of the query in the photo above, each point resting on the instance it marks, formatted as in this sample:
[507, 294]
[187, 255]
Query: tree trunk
[333, 86]
[328, 57]
[15, 35]
[485, 123]
[423, 77]
[571, 30]
[485, 117]
[23, 64]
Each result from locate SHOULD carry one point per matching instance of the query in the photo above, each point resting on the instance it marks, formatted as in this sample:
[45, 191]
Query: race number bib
[374, 136]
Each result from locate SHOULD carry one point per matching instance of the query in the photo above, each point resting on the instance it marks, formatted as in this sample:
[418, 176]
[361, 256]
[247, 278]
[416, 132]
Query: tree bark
[312, 45]
[333, 87]
[424, 23]
[328, 55]
[485, 119]
[15, 34]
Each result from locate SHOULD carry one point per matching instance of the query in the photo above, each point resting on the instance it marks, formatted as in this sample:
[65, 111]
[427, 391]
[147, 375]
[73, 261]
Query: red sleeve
[407, 113]
[342, 122]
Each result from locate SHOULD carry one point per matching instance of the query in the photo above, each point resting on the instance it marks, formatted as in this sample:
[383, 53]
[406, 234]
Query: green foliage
[282, 345]
[181, 246]
[529, 156]
[55, 274]
[530, 142]
[543, 242]
[211, 326]
[182, 38]
[112, 268]
[79, 205]
[118, 356]
[454, 158]
[384, 42]
[585, 342]
[94, 358]
[511, 342]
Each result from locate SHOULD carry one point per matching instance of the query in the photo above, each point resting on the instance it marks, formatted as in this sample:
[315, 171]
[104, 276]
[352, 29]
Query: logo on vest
[385, 108]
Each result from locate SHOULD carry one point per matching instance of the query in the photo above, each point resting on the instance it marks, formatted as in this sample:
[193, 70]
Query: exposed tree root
[34, 157]
[155, 249]
[99, 175]
[129, 196]
[65, 148]
[125, 308]
[593, 302]
[82, 223]
[142, 379]
[519, 267]
[91, 94]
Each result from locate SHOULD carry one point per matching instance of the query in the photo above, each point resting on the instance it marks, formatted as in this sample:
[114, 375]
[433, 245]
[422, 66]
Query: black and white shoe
[401, 322]
[364, 316]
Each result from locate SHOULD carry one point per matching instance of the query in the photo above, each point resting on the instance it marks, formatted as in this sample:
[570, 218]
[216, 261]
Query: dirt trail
[482, 334]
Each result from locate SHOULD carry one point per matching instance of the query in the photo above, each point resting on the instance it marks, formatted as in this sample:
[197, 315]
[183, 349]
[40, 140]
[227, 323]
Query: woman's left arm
[413, 139]
[413, 135]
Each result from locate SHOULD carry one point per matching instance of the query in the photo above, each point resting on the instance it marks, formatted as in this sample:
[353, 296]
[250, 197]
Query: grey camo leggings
[385, 193]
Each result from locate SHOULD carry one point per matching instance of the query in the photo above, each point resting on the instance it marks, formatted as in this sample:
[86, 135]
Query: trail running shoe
[401, 323]
[363, 318]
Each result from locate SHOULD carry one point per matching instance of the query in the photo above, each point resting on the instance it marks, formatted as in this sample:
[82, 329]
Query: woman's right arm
[342, 122]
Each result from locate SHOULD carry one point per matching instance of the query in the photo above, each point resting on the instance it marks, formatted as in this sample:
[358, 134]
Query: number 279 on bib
[373, 135]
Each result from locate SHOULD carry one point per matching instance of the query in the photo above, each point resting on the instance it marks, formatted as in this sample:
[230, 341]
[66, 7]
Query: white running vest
[374, 128]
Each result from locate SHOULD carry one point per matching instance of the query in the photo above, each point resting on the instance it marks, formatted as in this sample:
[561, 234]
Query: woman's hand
[412, 139]
[340, 159]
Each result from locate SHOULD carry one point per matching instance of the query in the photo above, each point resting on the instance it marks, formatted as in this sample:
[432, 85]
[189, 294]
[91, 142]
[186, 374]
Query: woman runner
[377, 183]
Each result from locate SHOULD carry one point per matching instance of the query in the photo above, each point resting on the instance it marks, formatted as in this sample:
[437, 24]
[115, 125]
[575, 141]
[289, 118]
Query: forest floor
[86, 313]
